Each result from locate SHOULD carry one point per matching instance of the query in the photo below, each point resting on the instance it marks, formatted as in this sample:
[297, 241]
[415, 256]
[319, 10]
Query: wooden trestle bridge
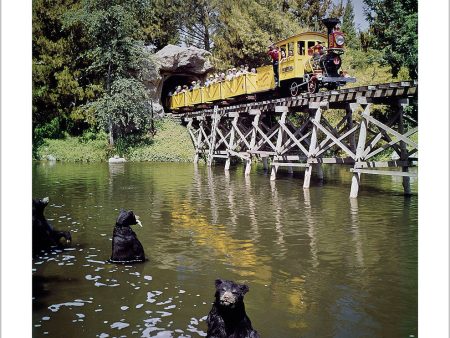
[297, 132]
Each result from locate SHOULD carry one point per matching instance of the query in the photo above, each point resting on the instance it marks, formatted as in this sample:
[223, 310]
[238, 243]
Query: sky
[360, 21]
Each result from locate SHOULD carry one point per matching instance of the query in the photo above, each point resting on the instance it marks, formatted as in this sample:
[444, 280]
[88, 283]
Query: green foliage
[393, 25]
[57, 82]
[368, 68]
[348, 26]
[161, 27]
[309, 13]
[113, 29]
[170, 144]
[126, 106]
[72, 150]
[247, 28]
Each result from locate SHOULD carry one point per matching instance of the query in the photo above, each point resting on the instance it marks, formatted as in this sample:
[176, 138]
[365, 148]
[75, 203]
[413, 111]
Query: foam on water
[119, 325]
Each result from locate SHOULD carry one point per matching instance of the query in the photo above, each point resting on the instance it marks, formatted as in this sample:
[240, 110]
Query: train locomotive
[306, 66]
[322, 70]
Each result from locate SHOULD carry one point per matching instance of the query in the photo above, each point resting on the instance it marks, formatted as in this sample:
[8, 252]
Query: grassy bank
[170, 144]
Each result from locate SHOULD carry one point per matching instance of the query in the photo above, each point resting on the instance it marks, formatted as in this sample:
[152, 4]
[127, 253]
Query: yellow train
[300, 69]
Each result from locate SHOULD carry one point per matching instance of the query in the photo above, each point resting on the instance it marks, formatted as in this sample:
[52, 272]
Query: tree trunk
[108, 91]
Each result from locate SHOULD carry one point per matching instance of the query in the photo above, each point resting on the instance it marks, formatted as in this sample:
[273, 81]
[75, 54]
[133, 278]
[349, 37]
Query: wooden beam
[383, 172]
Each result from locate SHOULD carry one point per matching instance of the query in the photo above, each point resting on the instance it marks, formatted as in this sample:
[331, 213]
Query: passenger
[185, 89]
[283, 55]
[197, 84]
[209, 80]
[234, 72]
[229, 76]
[216, 78]
[178, 90]
[170, 93]
[222, 77]
[274, 55]
[246, 68]
[253, 71]
[242, 70]
[317, 50]
[291, 53]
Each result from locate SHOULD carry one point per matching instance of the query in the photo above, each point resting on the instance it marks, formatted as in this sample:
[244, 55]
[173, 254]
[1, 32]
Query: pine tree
[162, 22]
[393, 28]
[309, 13]
[348, 25]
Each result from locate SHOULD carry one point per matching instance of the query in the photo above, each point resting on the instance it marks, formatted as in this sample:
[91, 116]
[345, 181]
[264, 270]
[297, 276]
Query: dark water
[317, 264]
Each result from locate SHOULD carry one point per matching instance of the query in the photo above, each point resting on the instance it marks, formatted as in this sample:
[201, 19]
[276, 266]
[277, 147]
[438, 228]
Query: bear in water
[227, 318]
[126, 248]
[44, 236]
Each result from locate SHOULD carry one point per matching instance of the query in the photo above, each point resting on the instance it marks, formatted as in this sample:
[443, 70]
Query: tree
[309, 13]
[58, 86]
[348, 25]
[116, 56]
[199, 21]
[162, 23]
[246, 29]
[393, 27]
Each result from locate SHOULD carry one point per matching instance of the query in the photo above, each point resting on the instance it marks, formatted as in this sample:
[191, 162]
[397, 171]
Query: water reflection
[356, 232]
[311, 228]
[325, 266]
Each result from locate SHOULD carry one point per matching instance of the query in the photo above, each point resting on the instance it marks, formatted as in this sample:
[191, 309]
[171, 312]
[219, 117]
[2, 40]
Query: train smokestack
[330, 23]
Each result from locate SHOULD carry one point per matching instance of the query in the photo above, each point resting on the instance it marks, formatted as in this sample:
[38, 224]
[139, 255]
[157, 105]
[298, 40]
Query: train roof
[304, 34]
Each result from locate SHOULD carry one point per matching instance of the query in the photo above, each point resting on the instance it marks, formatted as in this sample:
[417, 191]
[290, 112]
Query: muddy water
[317, 265]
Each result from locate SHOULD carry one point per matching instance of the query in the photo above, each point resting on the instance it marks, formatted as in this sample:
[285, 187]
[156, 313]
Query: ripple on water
[119, 325]
[77, 302]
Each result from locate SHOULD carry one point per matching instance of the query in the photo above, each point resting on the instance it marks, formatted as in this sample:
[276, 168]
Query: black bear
[126, 248]
[44, 236]
[227, 318]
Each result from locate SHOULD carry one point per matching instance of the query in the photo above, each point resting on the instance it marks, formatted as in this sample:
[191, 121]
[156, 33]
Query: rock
[51, 158]
[171, 65]
[175, 59]
[116, 159]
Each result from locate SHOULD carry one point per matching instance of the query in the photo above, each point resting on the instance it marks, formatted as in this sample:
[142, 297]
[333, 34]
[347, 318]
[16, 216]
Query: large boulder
[176, 59]
[183, 62]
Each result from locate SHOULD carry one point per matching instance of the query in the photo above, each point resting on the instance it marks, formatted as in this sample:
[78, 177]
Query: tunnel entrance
[171, 82]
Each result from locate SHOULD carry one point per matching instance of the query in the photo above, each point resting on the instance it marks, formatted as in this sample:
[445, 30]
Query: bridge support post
[213, 136]
[231, 144]
[350, 109]
[319, 171]
[290, 170]
[313, 144]
[265, 163]
[255, 123]
[401, 104]
[273, 173]
[356, 178]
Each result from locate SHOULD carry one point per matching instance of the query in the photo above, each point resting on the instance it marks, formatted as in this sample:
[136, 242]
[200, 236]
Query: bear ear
[244, 288]
[218, 282]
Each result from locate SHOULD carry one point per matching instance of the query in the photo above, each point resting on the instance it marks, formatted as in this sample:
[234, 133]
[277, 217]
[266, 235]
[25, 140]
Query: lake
[317, 263]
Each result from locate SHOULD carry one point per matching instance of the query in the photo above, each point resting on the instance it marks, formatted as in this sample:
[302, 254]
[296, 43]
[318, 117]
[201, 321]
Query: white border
[433, 168]
[16, 308]
[16, 164]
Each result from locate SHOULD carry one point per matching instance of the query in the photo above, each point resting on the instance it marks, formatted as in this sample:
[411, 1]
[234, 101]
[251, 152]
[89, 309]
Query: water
[317, 263]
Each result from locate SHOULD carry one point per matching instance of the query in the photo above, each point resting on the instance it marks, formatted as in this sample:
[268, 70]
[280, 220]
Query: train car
[305, 64]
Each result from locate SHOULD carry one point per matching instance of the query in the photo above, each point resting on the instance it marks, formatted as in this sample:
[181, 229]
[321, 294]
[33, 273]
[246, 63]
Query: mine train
[302, 70]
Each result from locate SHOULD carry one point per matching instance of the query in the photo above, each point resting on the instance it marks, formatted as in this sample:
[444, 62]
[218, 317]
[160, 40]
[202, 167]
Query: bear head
[229, 294]
[126, 218]
[39, 206]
